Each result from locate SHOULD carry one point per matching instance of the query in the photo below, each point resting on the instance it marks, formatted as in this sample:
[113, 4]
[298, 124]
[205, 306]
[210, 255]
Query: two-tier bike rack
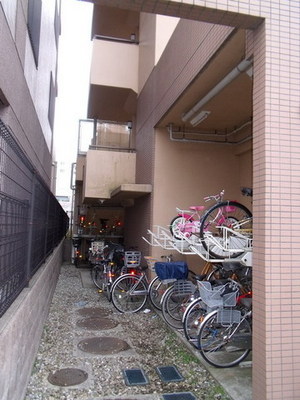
[191, 244]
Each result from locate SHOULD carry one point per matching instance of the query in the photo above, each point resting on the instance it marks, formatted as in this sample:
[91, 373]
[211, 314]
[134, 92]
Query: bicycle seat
[197, 208]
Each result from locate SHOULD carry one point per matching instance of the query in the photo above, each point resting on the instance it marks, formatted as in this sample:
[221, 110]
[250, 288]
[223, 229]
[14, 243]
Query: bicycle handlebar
[218, 197]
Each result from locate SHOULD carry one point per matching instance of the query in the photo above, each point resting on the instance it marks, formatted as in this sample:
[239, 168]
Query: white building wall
[38, 79]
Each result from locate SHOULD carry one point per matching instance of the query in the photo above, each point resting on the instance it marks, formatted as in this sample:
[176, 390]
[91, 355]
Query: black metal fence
[32, 222]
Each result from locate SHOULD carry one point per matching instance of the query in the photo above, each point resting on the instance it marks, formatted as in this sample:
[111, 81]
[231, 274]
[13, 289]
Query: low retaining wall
[22, 325]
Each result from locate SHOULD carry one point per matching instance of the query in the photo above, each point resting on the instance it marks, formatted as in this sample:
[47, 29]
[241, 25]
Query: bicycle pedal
[100, 291]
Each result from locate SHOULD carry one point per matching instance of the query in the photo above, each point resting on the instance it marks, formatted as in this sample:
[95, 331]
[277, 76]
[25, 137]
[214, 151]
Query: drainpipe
[242, 67]
[214, 133]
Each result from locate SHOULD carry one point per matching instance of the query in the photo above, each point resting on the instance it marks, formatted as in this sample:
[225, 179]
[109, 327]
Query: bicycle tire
[192, 319]
[121, 298]
[173, 305]
[174, 226]
[97, 276]
[156, 290]
[217, 347]
[221, 243]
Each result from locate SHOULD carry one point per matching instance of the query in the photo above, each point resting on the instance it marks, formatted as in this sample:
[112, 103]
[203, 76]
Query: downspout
[241, 67]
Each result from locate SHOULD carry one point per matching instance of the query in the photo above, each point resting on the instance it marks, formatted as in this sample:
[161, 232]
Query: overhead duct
[241, 67]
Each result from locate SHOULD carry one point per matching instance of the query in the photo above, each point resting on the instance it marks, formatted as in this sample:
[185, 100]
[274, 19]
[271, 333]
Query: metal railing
[32, 222]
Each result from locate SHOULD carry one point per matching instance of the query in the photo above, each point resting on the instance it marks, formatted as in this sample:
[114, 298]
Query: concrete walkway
[88, 347]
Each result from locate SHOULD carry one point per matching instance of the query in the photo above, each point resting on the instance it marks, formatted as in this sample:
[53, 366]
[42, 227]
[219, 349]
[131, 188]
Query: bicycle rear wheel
[175, 302]
[224, 345]
[156, 290]
[129, 293]
[97, 275]
[176, 226]
[226, 229]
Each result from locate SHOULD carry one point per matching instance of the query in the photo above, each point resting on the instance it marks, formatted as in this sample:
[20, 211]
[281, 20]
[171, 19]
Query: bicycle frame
[192, 217]
[133, 291]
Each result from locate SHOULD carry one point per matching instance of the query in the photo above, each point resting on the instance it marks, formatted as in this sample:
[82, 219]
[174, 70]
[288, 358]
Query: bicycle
[196, 311]
[107, 262]
[158, 287]
[187, 222]
[131, 291]
[226, 230]
[225, 335]
[182, 294]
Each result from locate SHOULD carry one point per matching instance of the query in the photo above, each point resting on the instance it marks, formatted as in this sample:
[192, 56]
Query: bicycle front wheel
[226, 230]
[192, 319]
[156, 290]
[224, 345]
[129, 293]
[174, 304]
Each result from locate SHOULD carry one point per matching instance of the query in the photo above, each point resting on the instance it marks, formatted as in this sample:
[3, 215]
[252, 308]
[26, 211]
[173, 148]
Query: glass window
[34, 26]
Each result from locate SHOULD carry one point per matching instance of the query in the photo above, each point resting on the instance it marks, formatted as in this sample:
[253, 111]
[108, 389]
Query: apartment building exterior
[210, 93]
[33, 224]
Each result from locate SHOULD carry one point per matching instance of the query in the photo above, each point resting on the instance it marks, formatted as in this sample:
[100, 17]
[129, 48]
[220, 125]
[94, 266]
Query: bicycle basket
[228, 317]
[183, 287]
[132, 258]
[171, 270]
[212, 297]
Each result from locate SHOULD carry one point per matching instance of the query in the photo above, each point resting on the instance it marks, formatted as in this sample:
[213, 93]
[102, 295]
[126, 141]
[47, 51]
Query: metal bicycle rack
[191, 245]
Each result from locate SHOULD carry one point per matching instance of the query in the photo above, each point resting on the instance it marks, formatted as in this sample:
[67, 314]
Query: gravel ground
[152, 344]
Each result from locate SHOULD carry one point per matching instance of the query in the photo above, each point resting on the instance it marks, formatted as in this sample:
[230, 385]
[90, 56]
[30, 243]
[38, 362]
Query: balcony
[106, 165]
[115, 22]
[113, 79]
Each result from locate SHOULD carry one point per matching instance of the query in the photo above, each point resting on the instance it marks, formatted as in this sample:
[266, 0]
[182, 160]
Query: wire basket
[214, 297]
[183, 287]
[132, 258]
[228, 316]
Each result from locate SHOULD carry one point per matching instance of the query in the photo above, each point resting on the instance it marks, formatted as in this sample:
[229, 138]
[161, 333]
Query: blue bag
[171, 270]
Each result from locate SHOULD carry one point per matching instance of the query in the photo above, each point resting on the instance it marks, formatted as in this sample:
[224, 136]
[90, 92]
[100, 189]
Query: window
[34, 26]
[51, 106]
[3, 100]
[57, 21]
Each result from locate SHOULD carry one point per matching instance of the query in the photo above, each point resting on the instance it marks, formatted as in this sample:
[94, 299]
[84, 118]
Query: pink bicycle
[187, 222]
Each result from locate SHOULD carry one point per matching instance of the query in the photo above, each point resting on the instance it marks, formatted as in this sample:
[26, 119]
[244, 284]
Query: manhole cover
[96, 323]
[67, 377]
[103, 345]
[93, 312]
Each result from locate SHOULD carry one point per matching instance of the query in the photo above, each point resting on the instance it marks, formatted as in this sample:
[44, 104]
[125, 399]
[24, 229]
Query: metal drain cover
[96, 323]
[93, 312]
[169, 374]
[179, 396]
[67, 377]
[103, 345]
[135, 377]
